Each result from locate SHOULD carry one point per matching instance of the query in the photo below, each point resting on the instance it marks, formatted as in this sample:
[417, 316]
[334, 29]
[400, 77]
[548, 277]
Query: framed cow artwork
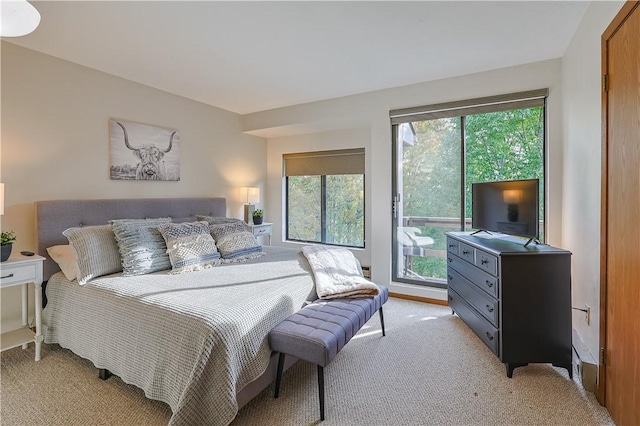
[143, 152]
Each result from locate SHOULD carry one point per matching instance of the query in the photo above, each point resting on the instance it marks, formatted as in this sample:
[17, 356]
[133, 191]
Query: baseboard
[419, 299]
[422, 293]
[366, 271]
[587, 366]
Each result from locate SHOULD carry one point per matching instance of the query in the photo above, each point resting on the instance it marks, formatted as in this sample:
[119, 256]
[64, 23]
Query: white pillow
[65, 257]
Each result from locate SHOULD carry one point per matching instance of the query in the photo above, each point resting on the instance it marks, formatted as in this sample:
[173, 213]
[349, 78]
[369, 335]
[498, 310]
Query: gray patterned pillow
[142, 247]
[96, 250]
[235, 241]
[190, 246]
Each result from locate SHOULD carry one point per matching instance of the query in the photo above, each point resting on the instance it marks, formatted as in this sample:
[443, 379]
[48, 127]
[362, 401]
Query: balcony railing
[435, 222]
[412, 252]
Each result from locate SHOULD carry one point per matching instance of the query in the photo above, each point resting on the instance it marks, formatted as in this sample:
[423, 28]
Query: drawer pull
[489, 336]
[465, 252]
[450, 260]
[484, 261]
[450, 277]
[7, 276]
[452, 245]
[450, 298]
[489, 308]
[489, 283]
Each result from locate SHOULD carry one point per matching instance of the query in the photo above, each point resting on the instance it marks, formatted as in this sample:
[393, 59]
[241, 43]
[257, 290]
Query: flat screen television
[510, 207]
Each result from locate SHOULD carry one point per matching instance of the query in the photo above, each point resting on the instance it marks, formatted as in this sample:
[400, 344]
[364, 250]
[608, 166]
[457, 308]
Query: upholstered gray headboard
[53, 217]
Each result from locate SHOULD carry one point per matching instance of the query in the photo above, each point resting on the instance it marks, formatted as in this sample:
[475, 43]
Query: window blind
[529, 99]
[337, 162]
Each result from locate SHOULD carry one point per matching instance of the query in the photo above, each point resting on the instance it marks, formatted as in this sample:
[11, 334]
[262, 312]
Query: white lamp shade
[251, 195]
[18, 18]
[1, 198]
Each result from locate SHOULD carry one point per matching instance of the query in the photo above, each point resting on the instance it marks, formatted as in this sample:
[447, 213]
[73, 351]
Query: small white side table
[264, 229]
[22, 270]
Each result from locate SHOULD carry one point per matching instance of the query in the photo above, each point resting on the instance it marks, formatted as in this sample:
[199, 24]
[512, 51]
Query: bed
[197, 340]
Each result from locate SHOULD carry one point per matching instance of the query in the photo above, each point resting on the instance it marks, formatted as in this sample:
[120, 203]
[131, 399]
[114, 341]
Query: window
[439, 151]
[325, 197]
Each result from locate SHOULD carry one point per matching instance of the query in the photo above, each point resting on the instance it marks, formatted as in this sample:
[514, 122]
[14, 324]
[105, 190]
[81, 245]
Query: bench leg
[279, 374]
[321, 390]
[381, 320]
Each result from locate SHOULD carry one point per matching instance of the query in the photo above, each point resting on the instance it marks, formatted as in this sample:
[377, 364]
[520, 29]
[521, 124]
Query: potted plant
[258, 215]
[6, 244]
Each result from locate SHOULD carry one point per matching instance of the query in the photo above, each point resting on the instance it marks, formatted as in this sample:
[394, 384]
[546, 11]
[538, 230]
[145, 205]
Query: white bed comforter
[192, 340]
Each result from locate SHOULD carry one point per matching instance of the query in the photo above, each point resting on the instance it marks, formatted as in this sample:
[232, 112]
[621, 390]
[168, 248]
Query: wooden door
[619, 378]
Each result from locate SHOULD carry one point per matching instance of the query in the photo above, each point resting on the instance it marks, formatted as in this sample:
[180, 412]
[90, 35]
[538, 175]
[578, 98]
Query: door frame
[615, 24]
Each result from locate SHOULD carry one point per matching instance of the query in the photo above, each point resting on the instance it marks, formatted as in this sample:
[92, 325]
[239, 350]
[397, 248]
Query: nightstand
[264, 229]
[23, 270]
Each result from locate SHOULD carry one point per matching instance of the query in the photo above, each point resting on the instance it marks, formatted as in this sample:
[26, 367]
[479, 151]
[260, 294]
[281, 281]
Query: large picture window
[325, 197]
[439, 151]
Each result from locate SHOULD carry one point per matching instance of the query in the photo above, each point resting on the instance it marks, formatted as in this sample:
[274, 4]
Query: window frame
[349, 170]
[462, 109]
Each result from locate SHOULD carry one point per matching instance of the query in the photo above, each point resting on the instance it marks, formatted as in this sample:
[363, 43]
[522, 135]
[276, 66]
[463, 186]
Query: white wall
[55, 144]
[305, 126]
[581, 79]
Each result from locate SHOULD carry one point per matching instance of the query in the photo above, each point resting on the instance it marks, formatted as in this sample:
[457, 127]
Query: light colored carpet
[430, 369]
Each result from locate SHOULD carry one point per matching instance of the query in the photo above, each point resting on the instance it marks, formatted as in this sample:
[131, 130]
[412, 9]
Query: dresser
[24, 270]
[516, 299]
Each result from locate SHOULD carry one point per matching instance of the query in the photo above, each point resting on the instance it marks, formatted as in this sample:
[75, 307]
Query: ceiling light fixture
[18, 18]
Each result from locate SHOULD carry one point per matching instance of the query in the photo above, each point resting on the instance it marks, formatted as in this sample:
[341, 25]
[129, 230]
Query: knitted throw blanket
[337, 273]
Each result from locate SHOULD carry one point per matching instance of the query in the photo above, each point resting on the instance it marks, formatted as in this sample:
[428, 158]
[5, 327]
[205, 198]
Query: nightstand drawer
[261, 230]
[18, 275]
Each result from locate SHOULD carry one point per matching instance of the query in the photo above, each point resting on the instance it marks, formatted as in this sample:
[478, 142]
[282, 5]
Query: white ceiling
[252, 56]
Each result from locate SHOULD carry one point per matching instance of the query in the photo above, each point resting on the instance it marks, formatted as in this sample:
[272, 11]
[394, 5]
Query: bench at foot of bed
[318, 331]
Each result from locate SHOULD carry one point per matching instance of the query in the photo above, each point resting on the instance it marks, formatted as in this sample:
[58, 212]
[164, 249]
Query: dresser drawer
[466, 252]
[487, 262]
[485, 331]
[452, 246]
[18, 275]
[485, 282]
[486, 305]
